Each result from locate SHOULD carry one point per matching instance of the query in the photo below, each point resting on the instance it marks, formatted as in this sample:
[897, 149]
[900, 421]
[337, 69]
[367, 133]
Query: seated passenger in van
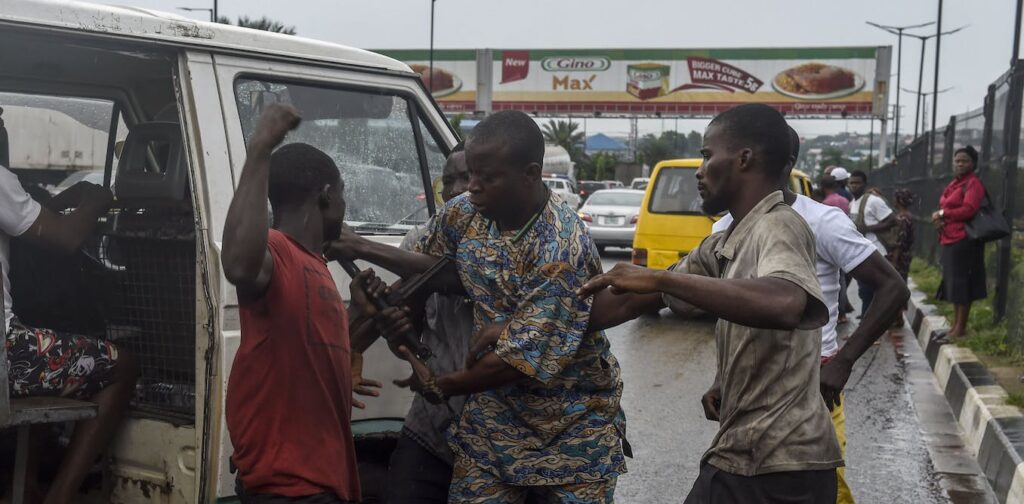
[289, 396]
[43, 362]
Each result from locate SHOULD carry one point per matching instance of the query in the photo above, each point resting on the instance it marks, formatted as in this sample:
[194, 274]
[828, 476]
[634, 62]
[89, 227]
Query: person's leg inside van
[45, 362]
[417, 476]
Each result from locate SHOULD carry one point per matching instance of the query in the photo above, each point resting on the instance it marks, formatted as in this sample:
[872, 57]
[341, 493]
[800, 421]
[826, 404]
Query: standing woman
[963, 259]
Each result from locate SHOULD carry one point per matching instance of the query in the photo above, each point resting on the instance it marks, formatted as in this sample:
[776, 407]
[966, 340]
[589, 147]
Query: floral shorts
[51, 363]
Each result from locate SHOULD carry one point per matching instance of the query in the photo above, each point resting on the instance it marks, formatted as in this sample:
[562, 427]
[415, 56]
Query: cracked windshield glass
[369, 135]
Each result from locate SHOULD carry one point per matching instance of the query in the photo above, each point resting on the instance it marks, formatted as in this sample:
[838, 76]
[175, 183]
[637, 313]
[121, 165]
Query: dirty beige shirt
[773, 418]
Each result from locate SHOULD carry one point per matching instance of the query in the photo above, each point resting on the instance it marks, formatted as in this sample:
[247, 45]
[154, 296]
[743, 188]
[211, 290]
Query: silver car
[611, 215]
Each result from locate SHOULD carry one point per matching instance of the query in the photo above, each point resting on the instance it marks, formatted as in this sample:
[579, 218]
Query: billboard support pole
[883, 141]
[484, 81]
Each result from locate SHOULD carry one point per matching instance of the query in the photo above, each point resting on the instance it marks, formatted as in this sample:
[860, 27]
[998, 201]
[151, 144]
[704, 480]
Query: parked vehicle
[611, 215]
[179, 99]
[639, 183]
[564, 188]
[588, 187]
[671, 222]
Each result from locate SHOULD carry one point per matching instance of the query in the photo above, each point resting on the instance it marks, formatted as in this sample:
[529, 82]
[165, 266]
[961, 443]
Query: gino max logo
[576, 64]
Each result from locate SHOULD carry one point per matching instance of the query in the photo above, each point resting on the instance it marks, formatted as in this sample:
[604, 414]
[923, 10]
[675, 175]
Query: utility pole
[215, 18]
[920, 75]
[898, 31]
[935, 87]
[1016, 33]
[430, 79]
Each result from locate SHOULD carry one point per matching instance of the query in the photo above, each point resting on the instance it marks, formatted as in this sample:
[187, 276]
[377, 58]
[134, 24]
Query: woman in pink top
[833, 198]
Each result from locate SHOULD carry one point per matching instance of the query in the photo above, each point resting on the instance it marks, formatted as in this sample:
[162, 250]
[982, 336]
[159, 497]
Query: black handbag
[988, 224]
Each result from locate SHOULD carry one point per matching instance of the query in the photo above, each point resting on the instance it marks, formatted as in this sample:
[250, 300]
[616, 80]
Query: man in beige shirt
[776, 442]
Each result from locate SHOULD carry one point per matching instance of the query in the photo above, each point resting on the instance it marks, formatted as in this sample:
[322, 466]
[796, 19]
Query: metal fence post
[1009, 166]
[986, 137]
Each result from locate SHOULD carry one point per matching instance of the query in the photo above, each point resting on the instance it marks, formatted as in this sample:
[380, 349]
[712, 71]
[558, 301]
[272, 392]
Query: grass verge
[985, 337]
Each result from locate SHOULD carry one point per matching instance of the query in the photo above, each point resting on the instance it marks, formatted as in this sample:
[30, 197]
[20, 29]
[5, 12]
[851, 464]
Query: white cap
[840, 173]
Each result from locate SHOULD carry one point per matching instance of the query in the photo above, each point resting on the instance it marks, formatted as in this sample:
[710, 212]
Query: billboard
[826, 81]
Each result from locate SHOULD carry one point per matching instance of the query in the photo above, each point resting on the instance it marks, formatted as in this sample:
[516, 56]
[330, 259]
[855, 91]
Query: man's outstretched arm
[770, 303]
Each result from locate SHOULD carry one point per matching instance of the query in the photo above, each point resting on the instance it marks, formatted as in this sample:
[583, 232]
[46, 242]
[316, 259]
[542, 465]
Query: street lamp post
[935, 87]
[920, 75]
[921, 101]
[898, 31]
[430, 79]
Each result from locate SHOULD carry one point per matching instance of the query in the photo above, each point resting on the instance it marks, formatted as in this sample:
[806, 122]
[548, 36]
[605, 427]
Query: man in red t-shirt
[289, 395]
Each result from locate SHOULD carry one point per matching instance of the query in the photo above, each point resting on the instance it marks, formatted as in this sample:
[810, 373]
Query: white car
[611, 215]
[564, 188]
[639, 183]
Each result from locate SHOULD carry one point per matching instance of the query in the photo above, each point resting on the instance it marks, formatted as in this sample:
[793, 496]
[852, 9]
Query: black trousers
[417, 476]
[714, 486]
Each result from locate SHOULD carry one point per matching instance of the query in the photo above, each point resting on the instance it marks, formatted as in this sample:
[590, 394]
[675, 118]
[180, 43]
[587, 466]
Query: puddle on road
[887, 455]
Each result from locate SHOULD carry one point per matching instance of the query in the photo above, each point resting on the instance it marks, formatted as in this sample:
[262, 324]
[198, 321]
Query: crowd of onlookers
[889, 225]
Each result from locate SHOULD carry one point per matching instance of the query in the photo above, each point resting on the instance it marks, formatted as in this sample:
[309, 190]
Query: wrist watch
[942, 212]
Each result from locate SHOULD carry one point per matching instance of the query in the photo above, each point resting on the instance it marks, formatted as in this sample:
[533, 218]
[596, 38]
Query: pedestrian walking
[900, 255]
[963, 259]
[830, 187]
[872, 216]
[842, 176]
[775, 442]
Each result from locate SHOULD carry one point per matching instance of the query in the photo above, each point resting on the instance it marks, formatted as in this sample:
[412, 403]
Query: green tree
[653, 149]
[456, 122]
[566, 135]
[695, 141]
[604, 165]
[263, 23]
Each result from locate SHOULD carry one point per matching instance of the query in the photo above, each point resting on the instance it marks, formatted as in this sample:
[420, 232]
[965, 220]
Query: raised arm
[247, 262]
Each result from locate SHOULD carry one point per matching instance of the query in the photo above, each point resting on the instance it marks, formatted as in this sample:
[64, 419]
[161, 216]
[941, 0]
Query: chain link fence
[926, 167]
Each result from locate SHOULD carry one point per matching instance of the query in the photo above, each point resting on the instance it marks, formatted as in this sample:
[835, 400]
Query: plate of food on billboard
[817, 81]
[440, 83]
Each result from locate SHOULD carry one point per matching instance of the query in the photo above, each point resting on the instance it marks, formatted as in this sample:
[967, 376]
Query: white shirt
[839, 246]
[18, 211]
[875, 211]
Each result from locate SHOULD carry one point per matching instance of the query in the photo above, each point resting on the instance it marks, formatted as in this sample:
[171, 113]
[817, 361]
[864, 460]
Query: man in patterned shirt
[543, 414]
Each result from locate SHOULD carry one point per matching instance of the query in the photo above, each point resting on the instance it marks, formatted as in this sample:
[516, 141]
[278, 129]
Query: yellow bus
[671, 222]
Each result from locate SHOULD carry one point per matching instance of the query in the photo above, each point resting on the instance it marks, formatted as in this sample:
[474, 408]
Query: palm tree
[565, 135]
[264, 23]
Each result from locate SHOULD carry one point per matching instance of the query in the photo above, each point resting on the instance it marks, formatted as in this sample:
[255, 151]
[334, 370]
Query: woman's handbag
[988, 224]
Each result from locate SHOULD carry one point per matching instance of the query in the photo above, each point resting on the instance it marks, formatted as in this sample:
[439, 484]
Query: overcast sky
[971, 59]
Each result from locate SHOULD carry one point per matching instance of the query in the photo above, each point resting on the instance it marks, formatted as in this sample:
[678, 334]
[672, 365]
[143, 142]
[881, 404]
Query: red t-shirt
[959, 203]
[289, 397]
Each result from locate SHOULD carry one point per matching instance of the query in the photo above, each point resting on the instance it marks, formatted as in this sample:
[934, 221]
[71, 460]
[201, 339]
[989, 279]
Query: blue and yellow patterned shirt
[564, 424]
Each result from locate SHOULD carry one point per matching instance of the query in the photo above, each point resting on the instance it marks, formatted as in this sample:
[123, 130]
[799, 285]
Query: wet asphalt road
[668, 363]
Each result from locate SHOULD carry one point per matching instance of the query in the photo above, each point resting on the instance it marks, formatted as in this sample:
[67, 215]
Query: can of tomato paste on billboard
[647, 80]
